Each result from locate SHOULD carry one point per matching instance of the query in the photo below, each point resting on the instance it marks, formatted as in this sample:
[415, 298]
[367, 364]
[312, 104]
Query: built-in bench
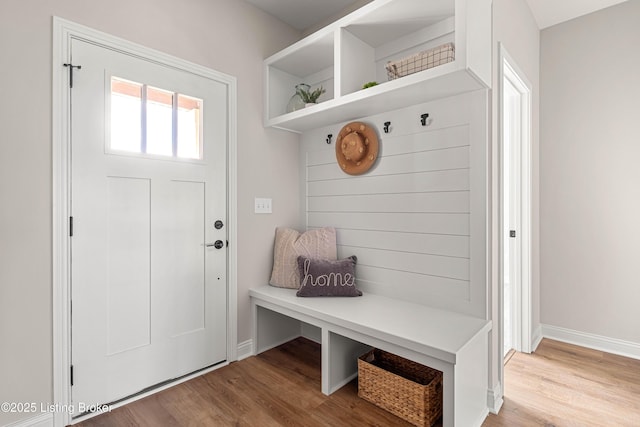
[451, 342]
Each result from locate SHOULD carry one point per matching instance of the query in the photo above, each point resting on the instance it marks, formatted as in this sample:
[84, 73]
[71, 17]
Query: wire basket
[421, 61]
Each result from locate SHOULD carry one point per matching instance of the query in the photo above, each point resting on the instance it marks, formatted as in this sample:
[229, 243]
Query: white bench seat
[453, 343]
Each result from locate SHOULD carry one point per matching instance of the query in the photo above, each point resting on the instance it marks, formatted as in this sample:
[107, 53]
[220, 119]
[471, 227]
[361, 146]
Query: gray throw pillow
[327, 278]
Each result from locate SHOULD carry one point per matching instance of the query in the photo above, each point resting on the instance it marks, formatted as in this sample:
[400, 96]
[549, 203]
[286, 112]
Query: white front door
[148, 201]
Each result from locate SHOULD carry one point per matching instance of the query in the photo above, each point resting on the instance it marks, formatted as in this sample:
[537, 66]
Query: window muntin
[159, 122]
[153, 121]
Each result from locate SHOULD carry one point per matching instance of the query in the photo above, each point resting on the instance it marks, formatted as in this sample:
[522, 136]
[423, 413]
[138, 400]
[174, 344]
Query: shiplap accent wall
[417, 220]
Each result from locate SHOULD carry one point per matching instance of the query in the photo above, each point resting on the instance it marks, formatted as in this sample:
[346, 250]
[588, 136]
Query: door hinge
[512, 233]
[71, 374]
[71, 67]
[70, 226]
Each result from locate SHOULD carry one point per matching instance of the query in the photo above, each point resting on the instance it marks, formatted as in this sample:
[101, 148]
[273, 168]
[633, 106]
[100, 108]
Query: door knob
[219, 244]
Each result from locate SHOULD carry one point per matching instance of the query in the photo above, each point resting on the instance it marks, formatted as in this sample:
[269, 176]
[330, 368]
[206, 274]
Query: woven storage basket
[405, 388]
[421, 61]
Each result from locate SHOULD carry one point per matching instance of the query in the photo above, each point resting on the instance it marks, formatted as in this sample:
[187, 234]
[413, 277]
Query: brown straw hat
[356, 148]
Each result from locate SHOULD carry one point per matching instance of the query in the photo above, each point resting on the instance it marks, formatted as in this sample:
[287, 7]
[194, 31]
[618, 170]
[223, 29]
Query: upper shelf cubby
[355, 50]
[309, 61]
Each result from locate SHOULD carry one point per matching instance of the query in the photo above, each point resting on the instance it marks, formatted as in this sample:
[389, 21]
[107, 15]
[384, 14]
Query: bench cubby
[452, 343]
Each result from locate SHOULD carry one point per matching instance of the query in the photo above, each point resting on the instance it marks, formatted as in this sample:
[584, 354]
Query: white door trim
[509, 69]
[63, 32]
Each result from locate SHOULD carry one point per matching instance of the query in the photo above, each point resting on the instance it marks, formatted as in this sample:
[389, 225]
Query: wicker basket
[405, 388]
[421, 61]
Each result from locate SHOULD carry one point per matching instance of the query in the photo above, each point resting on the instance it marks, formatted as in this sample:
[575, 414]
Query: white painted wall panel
[431, 265]
[436, 223]
[433, 244]
[425, 140]
[452, 201]
[411, 286]
[417, 219]
[451, 180]
[428, 138]
[410, 162]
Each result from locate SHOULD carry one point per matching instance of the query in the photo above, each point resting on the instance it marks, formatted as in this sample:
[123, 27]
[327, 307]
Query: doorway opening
[515, 207]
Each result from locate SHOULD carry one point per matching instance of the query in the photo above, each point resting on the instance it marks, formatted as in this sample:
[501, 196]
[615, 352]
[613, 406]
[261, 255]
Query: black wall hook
[386, 127]
[329, 138]
[423, 119]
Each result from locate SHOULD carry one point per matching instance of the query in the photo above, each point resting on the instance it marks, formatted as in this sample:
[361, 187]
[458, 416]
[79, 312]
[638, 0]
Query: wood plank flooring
[280, 387]
[559, 385]
[566, 385]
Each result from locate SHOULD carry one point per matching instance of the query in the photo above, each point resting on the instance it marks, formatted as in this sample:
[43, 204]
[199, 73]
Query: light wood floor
[565, 385]
[559, 385]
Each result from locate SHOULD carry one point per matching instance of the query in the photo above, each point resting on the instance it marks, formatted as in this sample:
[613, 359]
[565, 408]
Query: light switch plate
[262, 205]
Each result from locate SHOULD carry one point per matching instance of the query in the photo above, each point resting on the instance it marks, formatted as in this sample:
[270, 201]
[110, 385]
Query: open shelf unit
[355, 49]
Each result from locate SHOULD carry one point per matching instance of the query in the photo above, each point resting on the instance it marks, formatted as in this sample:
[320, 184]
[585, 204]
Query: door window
[147, 120]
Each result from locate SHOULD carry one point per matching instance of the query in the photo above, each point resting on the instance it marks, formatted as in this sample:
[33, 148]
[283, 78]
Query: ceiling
[552, 12]
[303, 14]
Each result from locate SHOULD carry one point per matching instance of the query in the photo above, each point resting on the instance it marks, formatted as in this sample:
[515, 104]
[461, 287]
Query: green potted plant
[310, 97]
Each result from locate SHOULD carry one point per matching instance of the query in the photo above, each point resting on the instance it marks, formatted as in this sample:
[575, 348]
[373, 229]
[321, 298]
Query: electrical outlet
[262, 205]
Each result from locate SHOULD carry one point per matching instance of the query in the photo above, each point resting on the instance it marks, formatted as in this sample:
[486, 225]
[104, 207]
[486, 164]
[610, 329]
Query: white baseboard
[482, 418]
[494, 399]
[537, 337]
[245, 349]
[42, 420]
[596, 342]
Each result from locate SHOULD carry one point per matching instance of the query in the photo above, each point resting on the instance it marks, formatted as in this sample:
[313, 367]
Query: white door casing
[187, 187]
[520, 200]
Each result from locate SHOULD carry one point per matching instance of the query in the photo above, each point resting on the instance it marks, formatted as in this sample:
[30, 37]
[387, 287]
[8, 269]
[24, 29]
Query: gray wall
[515, 27]
[226, 35]
[590, 184]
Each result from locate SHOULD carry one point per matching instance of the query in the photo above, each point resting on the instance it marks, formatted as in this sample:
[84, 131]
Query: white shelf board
[436, 83]
[310, 57]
